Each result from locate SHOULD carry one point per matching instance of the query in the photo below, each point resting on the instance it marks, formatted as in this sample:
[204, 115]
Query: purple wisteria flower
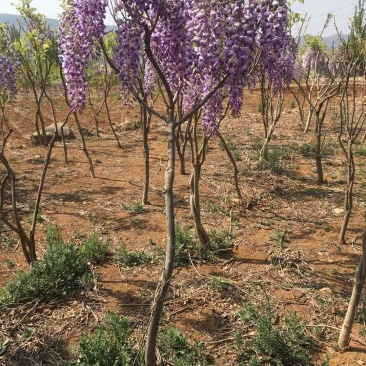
[196, 45]
[7, 76]
[81, 27]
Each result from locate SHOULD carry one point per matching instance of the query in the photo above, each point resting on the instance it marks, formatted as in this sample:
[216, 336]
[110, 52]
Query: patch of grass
[94, 250]
[292, 104]
[274, 159]
[213, 206]
[217, 283]
[308, 149]
[135, 208]
[109, 346]
[61, 272]
[187, 246]
[220, 239]
[176, 350]
[184, 243]
[127, 258]
[10, 263]
[361, 150]
[273, 344]
[280, 237]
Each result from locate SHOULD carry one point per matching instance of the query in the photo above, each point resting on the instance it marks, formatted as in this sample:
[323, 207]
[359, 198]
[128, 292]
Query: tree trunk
[164, 282]
[236, 170]
[264, 150]
[318, 156]
[348, 200]
[360, 274]
[196, 208]
[308, 120]
[145, 131]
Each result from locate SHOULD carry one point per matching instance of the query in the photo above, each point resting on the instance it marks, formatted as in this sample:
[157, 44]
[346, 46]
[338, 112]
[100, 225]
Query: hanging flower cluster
[128, 55]
[194, 44]
[277, 47]
[7, 76]
[81, 26]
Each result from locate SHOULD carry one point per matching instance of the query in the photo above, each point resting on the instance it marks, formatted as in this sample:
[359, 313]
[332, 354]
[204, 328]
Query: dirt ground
[308, 272]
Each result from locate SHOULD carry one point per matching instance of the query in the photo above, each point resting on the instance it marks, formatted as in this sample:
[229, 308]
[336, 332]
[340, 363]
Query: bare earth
[310, 273]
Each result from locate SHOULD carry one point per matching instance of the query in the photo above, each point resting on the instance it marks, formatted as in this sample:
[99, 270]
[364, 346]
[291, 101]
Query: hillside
[13, 19]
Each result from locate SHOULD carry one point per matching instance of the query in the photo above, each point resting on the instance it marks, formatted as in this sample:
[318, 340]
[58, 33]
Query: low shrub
[61, 271]
[273, 344]
[94, 250]
[109, 346]
[128, 258]
[175, 349]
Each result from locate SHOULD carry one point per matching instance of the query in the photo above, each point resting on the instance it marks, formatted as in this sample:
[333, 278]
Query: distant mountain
[12, 19]
[330, 41]
[333, 40]
[15, 19]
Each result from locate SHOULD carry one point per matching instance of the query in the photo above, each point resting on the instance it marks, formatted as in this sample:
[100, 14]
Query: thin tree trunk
[318, 156]
[233, 162]
[195, 206]
[145, 131]
[85, 150]
[264, 150]
[348, 199]
[32, 247]
[164, 282]
[359, 281]
[111, 124]
[308, 120]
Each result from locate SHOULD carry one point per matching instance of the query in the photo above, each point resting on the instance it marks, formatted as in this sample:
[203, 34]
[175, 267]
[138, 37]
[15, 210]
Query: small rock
[50, 132]
[360, 362]
[338, 211]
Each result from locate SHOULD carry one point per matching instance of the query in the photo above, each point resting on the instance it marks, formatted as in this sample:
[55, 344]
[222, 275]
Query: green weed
[280, 237]
[109, 346]
[127, 258]
[273, 344]
[61, 271]
[175, 349]
[361, 150]
[135, 208]
[94, 250]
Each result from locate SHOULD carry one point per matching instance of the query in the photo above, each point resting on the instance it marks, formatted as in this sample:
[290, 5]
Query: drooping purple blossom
[196, 44]
[277, 47]
[128, 55]
[7, 76]
[81, 26]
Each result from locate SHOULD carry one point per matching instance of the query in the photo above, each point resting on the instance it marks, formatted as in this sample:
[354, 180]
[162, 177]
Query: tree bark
[236, 170]
[164, 281]
[359, 281]
[318, 156]
[348, 199]
[145, 133]
[195, 207]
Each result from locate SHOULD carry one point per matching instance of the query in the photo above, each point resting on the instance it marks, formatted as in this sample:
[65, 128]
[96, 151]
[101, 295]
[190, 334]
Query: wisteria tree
[198, 50]
[318, 81]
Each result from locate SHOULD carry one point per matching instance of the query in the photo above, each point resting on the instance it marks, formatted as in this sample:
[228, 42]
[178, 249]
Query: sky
[316, 9]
